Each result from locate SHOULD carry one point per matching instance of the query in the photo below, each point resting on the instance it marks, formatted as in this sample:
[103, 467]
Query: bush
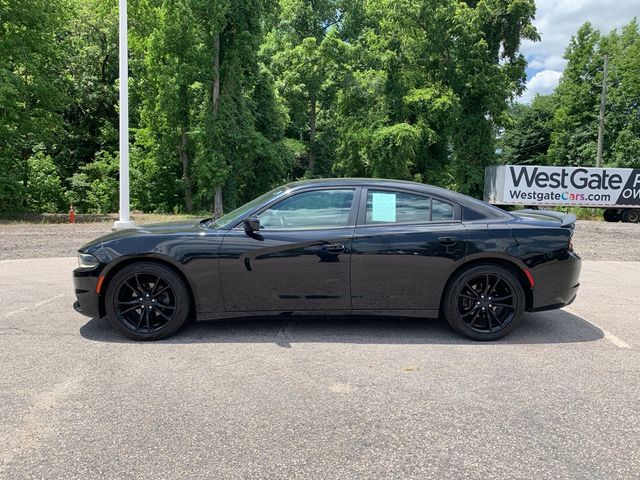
[45, 193]
[94, 189]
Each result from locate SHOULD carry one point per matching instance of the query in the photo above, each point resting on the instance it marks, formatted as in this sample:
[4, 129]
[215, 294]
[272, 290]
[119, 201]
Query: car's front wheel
[485, 302]
[147, 301]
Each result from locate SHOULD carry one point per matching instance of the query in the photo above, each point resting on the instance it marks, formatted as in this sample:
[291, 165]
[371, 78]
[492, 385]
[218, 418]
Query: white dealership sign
[541, 185]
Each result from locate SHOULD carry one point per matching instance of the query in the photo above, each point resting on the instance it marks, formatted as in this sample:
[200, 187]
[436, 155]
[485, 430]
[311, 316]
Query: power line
[603, 103]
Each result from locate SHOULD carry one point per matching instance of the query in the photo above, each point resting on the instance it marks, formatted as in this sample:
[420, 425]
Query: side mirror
[252, 224]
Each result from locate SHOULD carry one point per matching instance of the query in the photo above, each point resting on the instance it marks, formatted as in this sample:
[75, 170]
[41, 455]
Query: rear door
[405, 246]
[299, 260]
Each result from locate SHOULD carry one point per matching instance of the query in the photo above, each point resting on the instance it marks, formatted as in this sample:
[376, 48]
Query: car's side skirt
[384, 313]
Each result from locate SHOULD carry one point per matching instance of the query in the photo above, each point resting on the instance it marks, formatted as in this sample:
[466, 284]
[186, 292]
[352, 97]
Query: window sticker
[383, 207]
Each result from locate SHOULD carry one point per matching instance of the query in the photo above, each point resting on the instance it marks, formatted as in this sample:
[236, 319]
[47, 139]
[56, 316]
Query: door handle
[334, 248]
[447, 241]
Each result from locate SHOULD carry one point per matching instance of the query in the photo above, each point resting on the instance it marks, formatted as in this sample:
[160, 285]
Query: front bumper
[556, 283]
[88, 300]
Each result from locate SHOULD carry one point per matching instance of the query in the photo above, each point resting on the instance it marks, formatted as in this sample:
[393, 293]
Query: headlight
[87, 261]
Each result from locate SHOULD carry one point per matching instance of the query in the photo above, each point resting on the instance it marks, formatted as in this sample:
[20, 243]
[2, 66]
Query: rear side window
[441, 211]
[399, 207]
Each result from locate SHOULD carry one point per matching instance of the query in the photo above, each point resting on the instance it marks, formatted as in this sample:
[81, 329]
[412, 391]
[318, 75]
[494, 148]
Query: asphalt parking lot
[319, 398]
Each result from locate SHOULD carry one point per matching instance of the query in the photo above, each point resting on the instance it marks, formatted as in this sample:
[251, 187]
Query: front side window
[308, 210]
[234, 215]
[400, 207]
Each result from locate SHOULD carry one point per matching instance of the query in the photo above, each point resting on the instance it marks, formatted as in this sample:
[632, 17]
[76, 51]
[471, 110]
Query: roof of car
[404, 184]
[377, 182]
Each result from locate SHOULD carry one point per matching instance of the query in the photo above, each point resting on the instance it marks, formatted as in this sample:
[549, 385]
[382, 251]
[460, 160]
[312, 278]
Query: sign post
[124, 221]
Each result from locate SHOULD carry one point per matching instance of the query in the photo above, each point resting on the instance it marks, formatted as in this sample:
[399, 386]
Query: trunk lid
[546, 216]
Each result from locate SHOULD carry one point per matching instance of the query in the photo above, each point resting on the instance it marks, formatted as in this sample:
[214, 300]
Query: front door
[298, 261]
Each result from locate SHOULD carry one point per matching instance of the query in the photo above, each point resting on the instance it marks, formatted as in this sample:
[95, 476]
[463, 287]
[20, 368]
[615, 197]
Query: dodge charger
[335, 247]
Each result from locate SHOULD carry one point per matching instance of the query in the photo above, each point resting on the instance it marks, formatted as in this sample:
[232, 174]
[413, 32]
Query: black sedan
[337, 246]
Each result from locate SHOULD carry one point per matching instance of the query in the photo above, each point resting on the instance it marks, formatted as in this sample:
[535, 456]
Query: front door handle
[447, 241]
[334, 248]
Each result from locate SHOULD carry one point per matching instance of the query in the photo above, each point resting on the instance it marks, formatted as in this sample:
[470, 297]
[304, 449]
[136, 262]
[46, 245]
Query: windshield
[231, 217]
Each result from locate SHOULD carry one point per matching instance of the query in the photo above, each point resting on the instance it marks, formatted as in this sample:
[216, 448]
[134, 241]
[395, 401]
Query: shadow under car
[555, 326]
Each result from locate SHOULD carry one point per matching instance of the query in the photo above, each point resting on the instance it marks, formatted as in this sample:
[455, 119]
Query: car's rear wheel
[484, 302]
[147, 301]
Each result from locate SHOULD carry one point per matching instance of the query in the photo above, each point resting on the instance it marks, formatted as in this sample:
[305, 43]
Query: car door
[299, 259]
[405, 246]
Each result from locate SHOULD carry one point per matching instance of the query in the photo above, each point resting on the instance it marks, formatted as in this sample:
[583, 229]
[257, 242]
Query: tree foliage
[562, 128]
[231, 97]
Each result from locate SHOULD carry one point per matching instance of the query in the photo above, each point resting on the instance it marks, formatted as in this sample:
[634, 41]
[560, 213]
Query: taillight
[571, 244]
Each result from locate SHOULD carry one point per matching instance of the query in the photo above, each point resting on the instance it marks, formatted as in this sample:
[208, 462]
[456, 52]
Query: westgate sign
[542, 185]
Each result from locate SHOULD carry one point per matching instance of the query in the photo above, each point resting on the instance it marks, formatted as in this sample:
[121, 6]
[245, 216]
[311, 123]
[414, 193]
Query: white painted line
[607, 334]
[34, 305]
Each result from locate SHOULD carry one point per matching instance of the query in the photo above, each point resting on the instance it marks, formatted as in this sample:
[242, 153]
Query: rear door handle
[448, 241]
[334, 248]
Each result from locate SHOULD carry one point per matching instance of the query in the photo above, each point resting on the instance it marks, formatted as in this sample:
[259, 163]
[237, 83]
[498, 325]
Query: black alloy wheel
[485, 302]
[147, 301]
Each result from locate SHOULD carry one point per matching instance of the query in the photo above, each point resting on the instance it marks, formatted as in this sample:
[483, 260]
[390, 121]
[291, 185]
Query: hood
[164, 228]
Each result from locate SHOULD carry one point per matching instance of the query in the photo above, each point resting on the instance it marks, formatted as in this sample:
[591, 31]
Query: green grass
[582, 213]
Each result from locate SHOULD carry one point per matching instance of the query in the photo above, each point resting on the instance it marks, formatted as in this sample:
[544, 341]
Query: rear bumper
[556, 283]
[88, 301]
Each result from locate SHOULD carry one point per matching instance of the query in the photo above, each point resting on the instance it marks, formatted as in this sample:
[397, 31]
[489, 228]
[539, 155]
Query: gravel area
[39, 240]
[593, 240]
[603, 241]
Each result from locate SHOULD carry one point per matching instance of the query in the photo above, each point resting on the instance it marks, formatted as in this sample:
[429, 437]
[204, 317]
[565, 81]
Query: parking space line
[34, 305]
[607, 334]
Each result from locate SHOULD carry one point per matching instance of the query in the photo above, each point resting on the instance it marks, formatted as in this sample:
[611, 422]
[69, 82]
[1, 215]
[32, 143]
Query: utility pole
[603, 102]
[123, 70]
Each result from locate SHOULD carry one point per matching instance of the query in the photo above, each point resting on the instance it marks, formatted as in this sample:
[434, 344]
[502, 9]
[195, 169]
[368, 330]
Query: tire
[631, 215]
[470, 307]
[147, 301]
[611, 215]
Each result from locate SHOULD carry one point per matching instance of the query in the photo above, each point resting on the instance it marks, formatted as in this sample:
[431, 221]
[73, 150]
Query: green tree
[527, 136]
[210, 119]
[308, 57]
[622, 121]
[448, 71]
[32, 88]
[94, 188]
[91, 67]
[574, 137]
[44, 188]
[575, 122]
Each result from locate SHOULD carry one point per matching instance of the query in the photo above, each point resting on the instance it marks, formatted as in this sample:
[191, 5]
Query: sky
[557, 21]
